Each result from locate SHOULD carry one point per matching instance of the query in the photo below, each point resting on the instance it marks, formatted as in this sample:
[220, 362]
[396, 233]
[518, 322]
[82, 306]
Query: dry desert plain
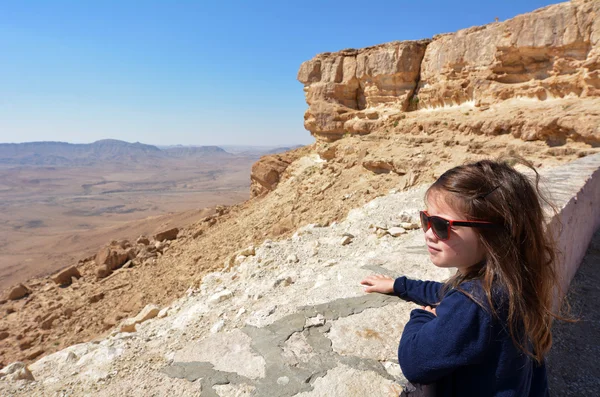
[52, 216]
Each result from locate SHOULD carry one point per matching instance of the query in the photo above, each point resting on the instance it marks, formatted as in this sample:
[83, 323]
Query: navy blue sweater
[463, 351]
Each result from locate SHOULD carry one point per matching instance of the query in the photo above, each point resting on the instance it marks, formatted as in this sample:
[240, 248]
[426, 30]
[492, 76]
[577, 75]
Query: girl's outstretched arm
[425, 293]
[435, 345]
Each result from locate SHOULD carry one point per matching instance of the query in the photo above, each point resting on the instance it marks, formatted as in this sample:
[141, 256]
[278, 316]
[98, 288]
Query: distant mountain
[106, 150]
[283, 149]
[257, 150]
[62, 153]
[191, 151]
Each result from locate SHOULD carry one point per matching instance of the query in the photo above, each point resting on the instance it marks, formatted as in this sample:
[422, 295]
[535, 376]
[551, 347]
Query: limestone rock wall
[341, 87]
[553, 52]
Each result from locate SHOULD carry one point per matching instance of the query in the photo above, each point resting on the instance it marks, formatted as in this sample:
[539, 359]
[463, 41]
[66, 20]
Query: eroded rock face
[266, 173]
[549, 53]
[553, 52]
[343, 89]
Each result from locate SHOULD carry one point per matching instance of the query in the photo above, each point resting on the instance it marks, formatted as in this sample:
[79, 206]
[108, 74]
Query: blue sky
[191, 72]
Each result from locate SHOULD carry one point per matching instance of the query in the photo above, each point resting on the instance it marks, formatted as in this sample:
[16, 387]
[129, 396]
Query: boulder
[170, 234]
[64, 277]
[113, 257]
[18, 292]
[127, 325]
[409, 225]
[142, 240]
[266, 173]
[346, 240]
[383, 165]
[147, 313]
[396, 231]
[16, 371]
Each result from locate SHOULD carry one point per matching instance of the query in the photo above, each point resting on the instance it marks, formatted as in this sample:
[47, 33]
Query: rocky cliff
[551, 53]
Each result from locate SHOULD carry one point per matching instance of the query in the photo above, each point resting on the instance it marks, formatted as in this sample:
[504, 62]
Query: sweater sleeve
[433, 346]
[424, 293]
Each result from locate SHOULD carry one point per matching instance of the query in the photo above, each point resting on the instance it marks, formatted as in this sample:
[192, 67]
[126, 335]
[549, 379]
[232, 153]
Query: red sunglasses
[441, 227]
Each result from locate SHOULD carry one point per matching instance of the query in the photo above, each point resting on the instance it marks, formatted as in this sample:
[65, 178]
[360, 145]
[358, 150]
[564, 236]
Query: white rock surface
[229, 351]
[346, 381]
[374, 333]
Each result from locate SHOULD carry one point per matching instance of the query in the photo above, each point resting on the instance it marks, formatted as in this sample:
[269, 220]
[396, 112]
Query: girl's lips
[432, 250]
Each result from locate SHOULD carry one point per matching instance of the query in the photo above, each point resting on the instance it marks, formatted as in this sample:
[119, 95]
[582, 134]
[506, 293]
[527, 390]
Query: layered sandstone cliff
[551, 53]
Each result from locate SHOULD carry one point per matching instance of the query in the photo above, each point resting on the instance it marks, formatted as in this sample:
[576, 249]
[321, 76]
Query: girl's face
[462, 249]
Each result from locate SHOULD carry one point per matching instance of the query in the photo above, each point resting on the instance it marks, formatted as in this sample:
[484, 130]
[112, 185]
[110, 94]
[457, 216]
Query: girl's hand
[378, 283]
[429, 309]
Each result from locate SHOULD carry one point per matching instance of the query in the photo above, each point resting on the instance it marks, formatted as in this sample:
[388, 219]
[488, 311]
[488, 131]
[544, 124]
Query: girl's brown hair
[521, 253]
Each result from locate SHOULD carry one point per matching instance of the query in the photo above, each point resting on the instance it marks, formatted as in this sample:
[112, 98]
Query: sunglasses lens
[440, 227]
[424, 221]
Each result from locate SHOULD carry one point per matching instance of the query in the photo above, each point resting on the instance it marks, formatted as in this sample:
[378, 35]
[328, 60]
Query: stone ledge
[575, 190]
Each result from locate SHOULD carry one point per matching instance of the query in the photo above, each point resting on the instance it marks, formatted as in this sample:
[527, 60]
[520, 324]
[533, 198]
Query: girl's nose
[430, 235]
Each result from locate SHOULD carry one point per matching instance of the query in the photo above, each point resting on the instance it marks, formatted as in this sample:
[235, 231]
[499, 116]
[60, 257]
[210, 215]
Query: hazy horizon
[161, 146]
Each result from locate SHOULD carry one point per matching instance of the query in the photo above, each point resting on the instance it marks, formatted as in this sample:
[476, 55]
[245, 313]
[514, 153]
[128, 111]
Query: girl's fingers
[377, 283]
[375, 277]
[429, 309]
[369, 280]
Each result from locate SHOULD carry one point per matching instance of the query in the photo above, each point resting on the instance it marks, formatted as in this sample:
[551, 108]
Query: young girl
[486, 331]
